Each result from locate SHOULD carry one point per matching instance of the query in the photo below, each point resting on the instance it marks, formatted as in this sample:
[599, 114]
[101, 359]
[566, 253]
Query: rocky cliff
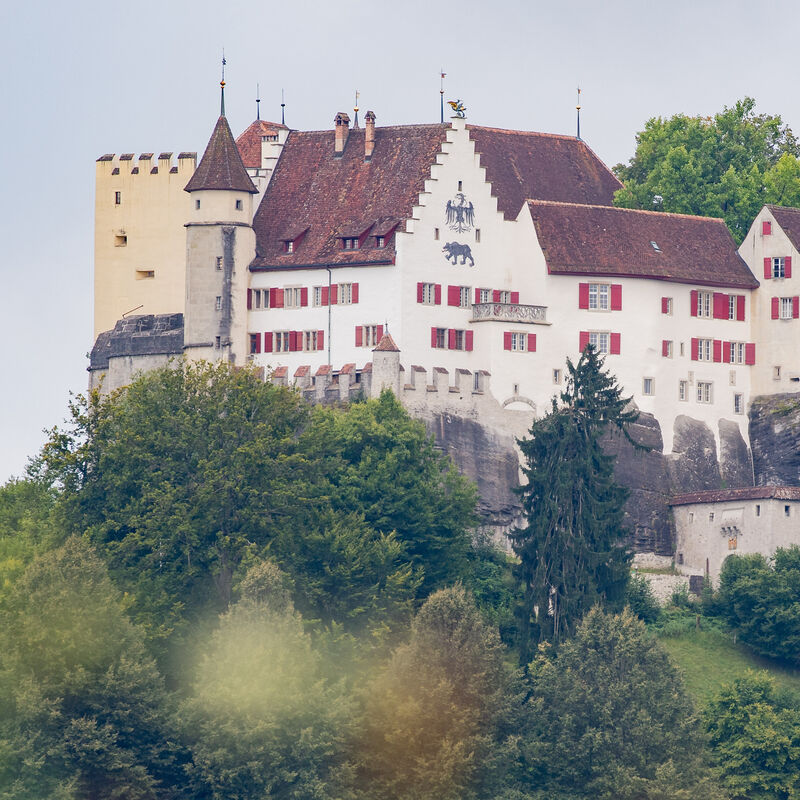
[775, 439]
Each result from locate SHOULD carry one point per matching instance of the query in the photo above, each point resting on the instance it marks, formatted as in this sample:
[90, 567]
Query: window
[463, 298]
[459, 185]
[292, 297]
[704, 304]
[218, 303]
[705, 392]
[370, 335]
[599, 341]
[436, 234]
[557, 376]
[516, 389]
[457, 340]
[197, 204]
[219, 263]
[312, 340]
[318, 295]
[345, 293]
[733, 304]
[787, 511]
[736, 353]
[682, 349]
[350, 243]
[776, 373]
[477, 234]
[518, 342]
[144, 274]
[380, 241]
[654, 245]
[758, 509]
[428, 294]
[691, 516]
[238, 205]
[666, 305]
[786, 308]
[477, 382]
[288, 246]
[598, 296]
[683, 390]
[710, 516]
[504, 297]
[738, 404]
[705, 349]
[254, 343]
[666, 348]
[440, 338]
[117, 198]
[484, 295]
[779, 267]
[218, 341]
[648, 386]
[120, 240]
[281, 341]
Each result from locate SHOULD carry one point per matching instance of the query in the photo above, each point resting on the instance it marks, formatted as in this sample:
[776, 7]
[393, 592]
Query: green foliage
[724, 166]
[571, 549]
[639, 597]
[262, 721]
[609, 718]
[755, 735]
[437, 722]
[83, 709]
[761, 601]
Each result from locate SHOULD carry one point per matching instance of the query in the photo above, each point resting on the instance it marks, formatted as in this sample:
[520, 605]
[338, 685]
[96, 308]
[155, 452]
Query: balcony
[509, 312]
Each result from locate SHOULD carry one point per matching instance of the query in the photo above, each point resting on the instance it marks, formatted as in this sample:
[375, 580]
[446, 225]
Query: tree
[609, 719]
[761, 600]
[83, 708]
[712, 166]
[437, 722]
[571, 553]
[755, 738]
[262, 721]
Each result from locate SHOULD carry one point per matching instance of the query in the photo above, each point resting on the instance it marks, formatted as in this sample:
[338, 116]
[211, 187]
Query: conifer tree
[570, 550]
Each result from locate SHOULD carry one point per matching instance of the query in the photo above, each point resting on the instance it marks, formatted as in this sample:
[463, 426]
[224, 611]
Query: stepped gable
[789, 220]
[249, 142]
[618, 242]
[140, 335]
[522, 165]
[221, 166]
[328, 197]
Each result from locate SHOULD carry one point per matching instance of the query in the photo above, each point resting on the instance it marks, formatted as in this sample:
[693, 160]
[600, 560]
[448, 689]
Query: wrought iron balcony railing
[509, 312]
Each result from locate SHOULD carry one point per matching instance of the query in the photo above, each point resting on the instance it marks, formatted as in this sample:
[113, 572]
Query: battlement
[112, 164]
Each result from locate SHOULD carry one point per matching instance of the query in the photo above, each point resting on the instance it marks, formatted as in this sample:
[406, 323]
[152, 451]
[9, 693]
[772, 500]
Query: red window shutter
[750, 353]
[665, 347]
[420, 290]
[257, 339]
[515, 298]
[496, 296]
[531, 342]
[334, 298]
[279, 298]
[433, 337]
[273, 298]
[740, 308]
[379, 333]
[583, 340]
[693, 302]
[454, 295]
[616, 297]
[437, 294]
[726, 352]
[507, 340]
[249, 299]
[788, 266]
[354, 293]
[583, 295]
[717, 350]
[468, 340]
[615, 344]
[796, 307]
[477, 295]
[268, 342]
[360, 335]
[776, 307]
[695, 349]
[324, 296]
[720, 305]
[665, 305]
[304, 296]
[293, 341]
[766, 227]
[767, 268]
[451, 338]
[320, 340]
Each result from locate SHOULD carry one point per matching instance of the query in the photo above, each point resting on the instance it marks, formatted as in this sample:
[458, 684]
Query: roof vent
[655, 247]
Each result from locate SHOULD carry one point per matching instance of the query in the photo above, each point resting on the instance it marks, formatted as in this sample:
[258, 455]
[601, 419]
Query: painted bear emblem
[454, 251]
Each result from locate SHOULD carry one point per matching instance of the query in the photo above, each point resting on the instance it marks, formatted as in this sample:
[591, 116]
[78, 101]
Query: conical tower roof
[221, 166]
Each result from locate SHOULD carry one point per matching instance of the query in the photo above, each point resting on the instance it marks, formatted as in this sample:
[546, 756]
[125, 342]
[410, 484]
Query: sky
[85, 78]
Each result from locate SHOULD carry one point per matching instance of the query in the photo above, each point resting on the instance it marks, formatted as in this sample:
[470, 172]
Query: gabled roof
[730, 495]
[221, 166]
[789, 220]
[311, 188]
[618, 242]
[249, 143]
[386, 345]
[544, 166]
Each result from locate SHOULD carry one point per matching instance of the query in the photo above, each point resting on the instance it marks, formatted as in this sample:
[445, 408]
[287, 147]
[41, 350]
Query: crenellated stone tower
[220, 244]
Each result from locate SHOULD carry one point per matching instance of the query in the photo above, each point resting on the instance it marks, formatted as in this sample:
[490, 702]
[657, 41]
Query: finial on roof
[258, 102]
[442, 76]
[222, 86]
[578, 107]
[283, 106]
[459, 109]
[355, 109]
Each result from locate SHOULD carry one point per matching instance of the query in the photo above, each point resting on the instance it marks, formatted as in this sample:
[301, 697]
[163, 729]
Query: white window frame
[369, 335]
[345, 296]
[218, 303]
[310, 341]
[484, 295]
[648, 387]
[669, 348]
[318, 295]
[518, 342]
[599, 296]
[669, 306]
[441, 339]
[429, 294]
[292, 296]
[505, 297]
[463, 297]
[738, 403]
[705, 391]
[705, 349]
[350, 243]
[461, 339]
[778, 267]
[683, 391]
[733, 300]
[281, 341]
[601, 341]
[736, 354]
[705, 304]
[786, 308]
[557, 376]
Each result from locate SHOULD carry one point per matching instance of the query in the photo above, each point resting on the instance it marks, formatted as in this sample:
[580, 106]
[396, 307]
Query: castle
[489, 256]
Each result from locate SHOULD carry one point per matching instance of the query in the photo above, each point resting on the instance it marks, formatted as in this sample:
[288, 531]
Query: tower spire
[283, 106]
[442, 76]
[258, 102]
[578, 108]
[222, 87]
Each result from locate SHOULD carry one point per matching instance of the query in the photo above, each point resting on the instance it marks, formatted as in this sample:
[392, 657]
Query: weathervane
[355, 109]
[442, 76]
[258, 102]
[283, 106]
[459, 109]
[222, 86]
[578, 107]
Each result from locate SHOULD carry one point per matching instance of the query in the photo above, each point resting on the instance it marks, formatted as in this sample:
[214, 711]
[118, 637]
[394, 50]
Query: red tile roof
[617, 242]
[249, 143]
[386, 345]
[221, 166]
[312, 188]
[522, 165]
[789, 220]
[729, 495]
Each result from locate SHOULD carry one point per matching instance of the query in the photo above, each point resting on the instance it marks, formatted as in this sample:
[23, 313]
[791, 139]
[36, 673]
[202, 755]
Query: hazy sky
[84, 78]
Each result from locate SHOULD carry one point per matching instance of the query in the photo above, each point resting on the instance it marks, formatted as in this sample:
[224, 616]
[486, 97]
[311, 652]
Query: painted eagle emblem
[460, 214]
[458, 107]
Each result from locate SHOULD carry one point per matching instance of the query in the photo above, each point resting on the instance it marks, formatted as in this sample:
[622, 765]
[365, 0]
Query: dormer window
[350, 243]
[288, 246]
[380, 241]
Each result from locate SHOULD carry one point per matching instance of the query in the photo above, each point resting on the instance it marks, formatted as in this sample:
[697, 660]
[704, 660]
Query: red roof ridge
[620, 208]
[525, 133]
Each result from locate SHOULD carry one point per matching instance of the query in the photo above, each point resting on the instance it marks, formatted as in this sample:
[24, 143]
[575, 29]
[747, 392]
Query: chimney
[342, 122]
[369, 139]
